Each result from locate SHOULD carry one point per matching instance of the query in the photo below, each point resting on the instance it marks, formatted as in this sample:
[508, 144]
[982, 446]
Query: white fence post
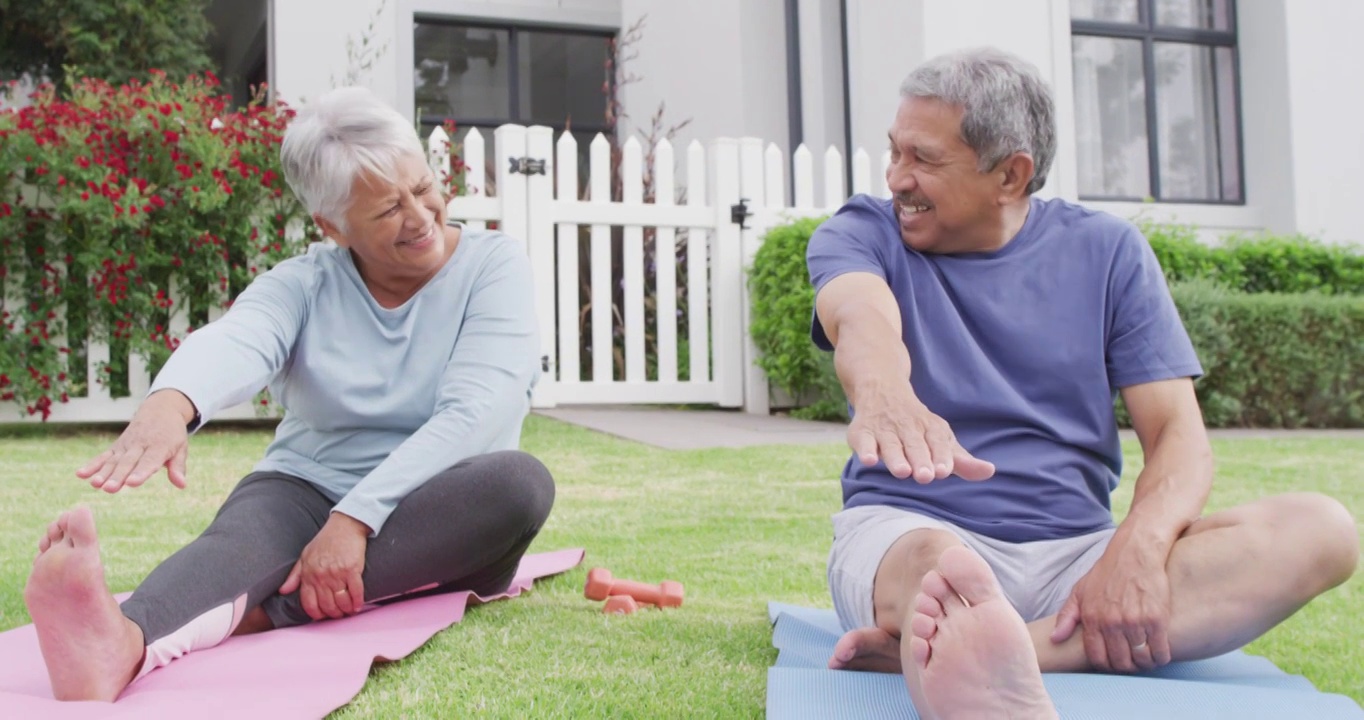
[803, 175]
[511, 185]
[835, 193]
[632, 260]
[754, 186]
[665, 268]
[438, 156]
[540, 245]
[699, 295]
[861, 172]
[727, 276]
[603, 348]
[570, 336]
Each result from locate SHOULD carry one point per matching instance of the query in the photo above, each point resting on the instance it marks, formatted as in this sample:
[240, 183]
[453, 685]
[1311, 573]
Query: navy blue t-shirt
[1022, 352]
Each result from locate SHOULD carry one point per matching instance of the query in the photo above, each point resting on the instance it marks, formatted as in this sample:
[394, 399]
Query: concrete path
[675, 429]
[696, 429]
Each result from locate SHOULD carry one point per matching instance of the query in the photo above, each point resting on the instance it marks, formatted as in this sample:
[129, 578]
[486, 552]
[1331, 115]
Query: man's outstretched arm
[861, 319]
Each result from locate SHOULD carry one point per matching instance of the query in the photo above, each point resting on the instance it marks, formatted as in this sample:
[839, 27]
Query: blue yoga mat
[1235, 686]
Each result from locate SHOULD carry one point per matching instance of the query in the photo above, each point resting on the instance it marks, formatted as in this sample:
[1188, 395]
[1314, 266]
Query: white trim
[615, 393]
[1207, 217]
[1061, 181]
[606, 17]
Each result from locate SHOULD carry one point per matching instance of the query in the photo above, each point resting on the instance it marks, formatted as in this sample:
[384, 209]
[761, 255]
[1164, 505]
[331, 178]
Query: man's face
[943, 202]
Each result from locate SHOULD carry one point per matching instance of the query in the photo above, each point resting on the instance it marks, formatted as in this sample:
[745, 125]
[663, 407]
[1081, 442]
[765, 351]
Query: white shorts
[1036, 577]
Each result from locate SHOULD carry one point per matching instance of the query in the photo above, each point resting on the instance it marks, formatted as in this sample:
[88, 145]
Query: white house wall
[1325, 106]
[722, 63]
[821, 75]
[309, 47]
[719, 62]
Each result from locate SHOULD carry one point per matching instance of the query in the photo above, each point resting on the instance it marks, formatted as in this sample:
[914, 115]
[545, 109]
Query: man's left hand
[327, 574]
[1122, 607]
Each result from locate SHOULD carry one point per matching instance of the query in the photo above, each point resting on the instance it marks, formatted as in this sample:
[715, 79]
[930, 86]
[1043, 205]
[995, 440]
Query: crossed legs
[1222, 596]
[466, 528]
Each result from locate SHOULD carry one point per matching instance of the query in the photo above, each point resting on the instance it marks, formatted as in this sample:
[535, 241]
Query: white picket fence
[546, 210]
[535, 197]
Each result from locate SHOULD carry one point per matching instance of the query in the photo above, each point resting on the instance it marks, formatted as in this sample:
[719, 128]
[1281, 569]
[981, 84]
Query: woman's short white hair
[338, 137]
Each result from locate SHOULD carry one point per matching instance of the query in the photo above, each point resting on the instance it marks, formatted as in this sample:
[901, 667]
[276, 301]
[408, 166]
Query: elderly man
[981, 334]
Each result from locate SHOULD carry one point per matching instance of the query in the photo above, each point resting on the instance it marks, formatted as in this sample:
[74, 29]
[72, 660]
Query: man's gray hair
[336, 138]
[1006, 107]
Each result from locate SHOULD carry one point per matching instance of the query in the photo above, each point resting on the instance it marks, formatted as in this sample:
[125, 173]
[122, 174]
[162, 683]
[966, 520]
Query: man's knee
[1323, 529]
[1337, 531]
[902, 569]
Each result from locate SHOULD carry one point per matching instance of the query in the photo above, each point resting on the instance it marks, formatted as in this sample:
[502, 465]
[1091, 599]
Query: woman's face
[395, 231]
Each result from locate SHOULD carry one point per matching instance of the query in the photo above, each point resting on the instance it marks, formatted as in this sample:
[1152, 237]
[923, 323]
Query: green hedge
[1257, 264]
[1276, 360]
[1271, 359]
[783, 303]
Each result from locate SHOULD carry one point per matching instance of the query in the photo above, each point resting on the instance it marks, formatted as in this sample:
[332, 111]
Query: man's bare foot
[869, 649]
[91, 650]
[972, 651]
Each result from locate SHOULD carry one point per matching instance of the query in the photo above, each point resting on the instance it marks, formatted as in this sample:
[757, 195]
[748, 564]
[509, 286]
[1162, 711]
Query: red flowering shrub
[121, 206]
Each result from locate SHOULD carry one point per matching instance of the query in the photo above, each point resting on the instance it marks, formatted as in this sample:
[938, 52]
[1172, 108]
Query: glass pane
[461, 72]
[1191, 123]
[1124, 11]
[1201, 14]
[1228, 120]
[1110, 118]
[562, 78]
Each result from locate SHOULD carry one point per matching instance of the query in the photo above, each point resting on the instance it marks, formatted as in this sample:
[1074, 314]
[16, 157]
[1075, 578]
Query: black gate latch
[527, 165]
[739, 212]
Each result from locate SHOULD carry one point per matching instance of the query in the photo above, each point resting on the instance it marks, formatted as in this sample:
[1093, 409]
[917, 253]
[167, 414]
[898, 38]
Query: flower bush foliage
[121, 206]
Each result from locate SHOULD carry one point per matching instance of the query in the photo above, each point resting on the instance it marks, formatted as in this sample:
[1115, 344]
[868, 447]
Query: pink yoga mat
[299, 672]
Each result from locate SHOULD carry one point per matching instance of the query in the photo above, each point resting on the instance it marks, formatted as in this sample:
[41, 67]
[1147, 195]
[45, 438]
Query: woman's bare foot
[91, 650]
[869, 649]
[973, 653]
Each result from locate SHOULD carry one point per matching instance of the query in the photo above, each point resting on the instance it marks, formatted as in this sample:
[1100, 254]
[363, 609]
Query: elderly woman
[404, 357]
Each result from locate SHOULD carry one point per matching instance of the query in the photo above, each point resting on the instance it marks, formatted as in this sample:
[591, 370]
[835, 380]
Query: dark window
[481, 76]
[1157, 108]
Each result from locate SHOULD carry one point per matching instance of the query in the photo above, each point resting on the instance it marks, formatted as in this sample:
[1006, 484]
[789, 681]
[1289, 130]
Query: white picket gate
[736, 190]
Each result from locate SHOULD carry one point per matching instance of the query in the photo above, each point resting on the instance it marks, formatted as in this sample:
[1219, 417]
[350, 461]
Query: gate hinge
[739, 212]
[527, 165]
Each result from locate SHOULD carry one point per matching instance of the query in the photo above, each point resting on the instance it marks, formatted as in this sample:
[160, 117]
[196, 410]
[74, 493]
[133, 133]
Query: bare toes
[923, 626]
[928, 605]
[970, 576]
[920, 651]
[935, 586]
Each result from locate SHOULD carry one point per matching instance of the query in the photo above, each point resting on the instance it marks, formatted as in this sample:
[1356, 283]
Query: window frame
[1149, 33]
[514, 30]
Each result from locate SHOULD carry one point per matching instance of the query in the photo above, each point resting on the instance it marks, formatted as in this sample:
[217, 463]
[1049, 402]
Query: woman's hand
[327, 574]
[156, 438]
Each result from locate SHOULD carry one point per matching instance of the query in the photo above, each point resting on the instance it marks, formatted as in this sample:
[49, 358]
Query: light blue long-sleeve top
[377, 400]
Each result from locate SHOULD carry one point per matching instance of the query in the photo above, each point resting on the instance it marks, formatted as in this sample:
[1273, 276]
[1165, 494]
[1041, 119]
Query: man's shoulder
[863, 209]
[863, 220]
[1079, 223]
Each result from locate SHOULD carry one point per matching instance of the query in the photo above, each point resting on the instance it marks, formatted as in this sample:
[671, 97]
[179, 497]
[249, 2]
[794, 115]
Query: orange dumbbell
[620, 605]
[600, 585]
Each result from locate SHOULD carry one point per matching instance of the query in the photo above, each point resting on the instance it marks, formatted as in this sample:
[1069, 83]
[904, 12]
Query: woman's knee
[525, 478]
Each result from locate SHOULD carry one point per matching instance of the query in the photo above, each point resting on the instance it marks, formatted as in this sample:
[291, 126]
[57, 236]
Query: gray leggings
[464, 529]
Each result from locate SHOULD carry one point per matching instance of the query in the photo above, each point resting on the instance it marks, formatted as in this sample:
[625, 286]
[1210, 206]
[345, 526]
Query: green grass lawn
[737, 527]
